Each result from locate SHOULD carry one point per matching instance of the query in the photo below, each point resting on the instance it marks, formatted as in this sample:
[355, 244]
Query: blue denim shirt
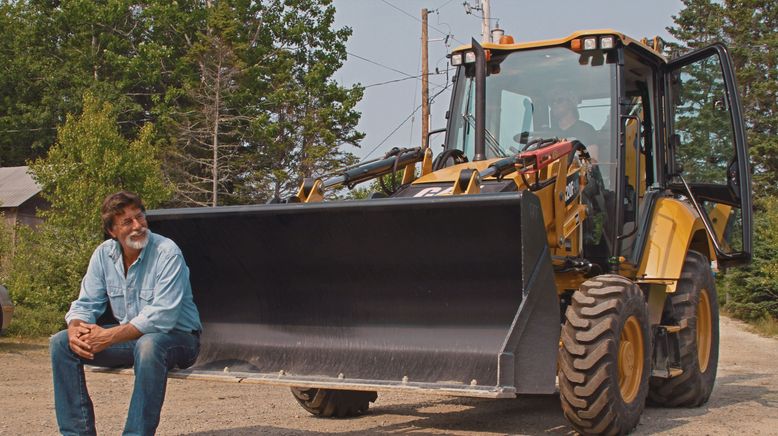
[155, 296]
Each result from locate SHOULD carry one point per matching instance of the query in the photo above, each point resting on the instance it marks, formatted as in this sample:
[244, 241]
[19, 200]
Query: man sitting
[145, 280]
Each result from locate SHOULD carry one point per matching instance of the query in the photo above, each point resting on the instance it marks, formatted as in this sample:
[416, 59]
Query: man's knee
[58, 343]
[150, 348]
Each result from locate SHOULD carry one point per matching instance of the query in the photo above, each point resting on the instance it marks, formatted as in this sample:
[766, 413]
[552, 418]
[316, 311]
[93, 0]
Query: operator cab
[646, 123]
[544, 94]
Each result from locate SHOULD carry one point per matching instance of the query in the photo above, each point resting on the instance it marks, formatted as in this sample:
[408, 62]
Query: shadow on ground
[529, 414]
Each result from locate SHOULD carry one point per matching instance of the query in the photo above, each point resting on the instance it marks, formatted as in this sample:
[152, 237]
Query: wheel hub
[704, 329]
[630, 363]
[627, 358]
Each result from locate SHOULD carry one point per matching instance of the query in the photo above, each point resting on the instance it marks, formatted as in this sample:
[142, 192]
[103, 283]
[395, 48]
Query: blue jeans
[151, 355]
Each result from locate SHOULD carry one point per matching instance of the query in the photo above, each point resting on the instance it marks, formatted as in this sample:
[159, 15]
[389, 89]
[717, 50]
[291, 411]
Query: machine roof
[626, 40]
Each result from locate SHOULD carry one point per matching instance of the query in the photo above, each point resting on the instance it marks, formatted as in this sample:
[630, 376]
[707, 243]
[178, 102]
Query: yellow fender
[675, 228]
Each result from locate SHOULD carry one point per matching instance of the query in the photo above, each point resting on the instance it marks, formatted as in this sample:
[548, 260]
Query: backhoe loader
[523, 257]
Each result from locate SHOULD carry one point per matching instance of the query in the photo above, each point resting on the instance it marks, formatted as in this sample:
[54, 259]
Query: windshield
[534, 94]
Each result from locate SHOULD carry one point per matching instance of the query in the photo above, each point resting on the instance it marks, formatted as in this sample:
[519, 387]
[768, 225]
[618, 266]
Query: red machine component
[535, 160]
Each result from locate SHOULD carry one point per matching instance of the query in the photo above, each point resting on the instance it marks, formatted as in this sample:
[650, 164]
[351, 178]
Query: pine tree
[302, 117]
[750, 29]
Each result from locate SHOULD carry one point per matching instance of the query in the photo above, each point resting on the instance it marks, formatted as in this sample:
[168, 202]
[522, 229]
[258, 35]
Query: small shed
[20, 197]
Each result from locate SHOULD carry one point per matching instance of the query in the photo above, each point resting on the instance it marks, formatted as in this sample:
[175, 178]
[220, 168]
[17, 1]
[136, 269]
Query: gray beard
[137, 245]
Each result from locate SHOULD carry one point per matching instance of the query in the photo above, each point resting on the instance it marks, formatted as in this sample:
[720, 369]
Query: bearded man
[145, 280]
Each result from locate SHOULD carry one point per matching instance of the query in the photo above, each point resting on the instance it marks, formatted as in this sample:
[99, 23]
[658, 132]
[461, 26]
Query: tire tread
[329, 403]
[692, 388]
[591, 398]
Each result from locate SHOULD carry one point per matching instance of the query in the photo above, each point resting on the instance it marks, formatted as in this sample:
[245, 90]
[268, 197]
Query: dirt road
[745, 401]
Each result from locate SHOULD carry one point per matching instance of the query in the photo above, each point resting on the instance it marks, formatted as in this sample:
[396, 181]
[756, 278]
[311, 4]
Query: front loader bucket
[448, 293]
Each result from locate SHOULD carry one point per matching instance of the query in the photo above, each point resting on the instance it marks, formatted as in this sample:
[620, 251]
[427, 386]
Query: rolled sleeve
[162, 314]
[92, 298]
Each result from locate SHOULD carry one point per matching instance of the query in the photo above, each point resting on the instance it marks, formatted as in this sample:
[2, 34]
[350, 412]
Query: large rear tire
[604, 361]
[695, 309]
[328, 403]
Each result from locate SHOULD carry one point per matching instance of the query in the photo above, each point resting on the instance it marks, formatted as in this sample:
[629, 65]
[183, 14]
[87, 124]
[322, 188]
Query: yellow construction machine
[563, 239]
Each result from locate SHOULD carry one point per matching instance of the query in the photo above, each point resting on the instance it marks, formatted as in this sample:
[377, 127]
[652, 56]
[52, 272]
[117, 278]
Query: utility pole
[483, 7]
[486, 30]
[425, 91]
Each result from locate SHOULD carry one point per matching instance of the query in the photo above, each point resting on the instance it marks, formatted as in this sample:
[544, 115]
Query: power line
[379, 64]
[432, 99]
[418, 20]
[407, 76]
[442, 6]
[37, 129]
[391, 81]
[401, 80]
[393, 132]
[41, 129]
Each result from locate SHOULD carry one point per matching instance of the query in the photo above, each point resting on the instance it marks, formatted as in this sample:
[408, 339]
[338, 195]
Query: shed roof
[16, 186]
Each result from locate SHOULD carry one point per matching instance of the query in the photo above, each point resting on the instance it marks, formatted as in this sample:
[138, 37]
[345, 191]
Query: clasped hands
[88, 339]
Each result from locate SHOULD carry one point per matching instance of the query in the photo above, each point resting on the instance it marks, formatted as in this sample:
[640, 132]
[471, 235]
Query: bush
[48, 267]
[6, 249]
[90, 160]
[751, 293]
[41, 320]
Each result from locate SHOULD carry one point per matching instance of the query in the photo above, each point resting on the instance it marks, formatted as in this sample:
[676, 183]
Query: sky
[385, 46]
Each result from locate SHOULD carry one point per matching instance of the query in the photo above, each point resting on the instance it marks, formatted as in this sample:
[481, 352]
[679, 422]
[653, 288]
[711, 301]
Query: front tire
[327, 403]
[604, 361]
[695, 308]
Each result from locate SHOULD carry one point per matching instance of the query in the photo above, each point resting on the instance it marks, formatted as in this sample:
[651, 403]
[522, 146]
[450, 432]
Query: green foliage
[90, 160]
[297, 116]
[702, 123]
[750, 30]
[241, 93]
[384, 185]
[767, 326]
[363, 192]
[54, 52]
[6, 249]
[751, 293]
[30, 322]
[26, 124]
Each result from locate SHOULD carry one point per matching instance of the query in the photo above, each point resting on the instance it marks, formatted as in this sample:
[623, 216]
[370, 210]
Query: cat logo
[433, 191]
[572, 188]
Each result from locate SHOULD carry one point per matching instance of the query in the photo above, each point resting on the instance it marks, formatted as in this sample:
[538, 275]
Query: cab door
[707, 151]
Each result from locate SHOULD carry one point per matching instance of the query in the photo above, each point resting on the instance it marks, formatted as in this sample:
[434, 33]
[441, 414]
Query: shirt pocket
[118, 302]
[146, 297]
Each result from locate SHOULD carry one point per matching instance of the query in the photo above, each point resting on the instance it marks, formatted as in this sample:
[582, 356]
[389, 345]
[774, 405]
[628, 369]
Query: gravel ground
[744, 401]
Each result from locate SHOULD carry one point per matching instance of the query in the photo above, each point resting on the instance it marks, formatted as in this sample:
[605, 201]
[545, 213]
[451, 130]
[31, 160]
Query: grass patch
[767, 326]
[35, 322]
[23, 345]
